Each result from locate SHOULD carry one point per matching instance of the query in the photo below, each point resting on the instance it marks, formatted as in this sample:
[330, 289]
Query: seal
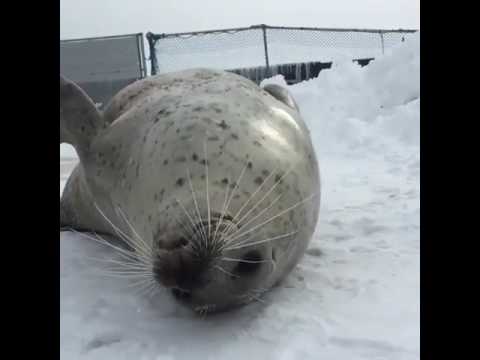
[211, 181]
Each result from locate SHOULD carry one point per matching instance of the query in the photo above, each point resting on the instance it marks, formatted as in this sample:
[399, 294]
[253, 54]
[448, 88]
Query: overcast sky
[85, 18]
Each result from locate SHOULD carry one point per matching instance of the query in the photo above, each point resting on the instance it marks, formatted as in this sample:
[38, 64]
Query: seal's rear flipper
[80, 119]
[281, 94]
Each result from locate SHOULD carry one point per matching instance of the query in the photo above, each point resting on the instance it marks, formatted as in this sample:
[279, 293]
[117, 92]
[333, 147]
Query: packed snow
[354, 295]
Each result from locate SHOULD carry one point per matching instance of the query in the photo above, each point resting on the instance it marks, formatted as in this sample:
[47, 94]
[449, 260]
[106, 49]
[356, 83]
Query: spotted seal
[211, 181]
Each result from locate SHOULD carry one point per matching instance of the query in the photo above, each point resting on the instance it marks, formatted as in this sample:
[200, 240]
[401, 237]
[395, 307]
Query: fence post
[383, 45]
[144, 61]
[264, 29]
[153, 54]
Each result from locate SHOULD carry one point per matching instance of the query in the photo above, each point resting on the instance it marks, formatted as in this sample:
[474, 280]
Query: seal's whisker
[124, 264]
[268, 192]
[186, 231]
[243, 245]
[204, 236]
[148, 280]
[143, 246]
[124, 275]
[255, 218]
[259, 291]
[143, 286]
[188, 215]
[218, 267]
[275, 216]
[206, 185]
[243, 261]
[127, 254]
[237, 184]
[153, 289]
[119, 232]
[230, 226]
[224, 210]
[130, 255]
[256, 298]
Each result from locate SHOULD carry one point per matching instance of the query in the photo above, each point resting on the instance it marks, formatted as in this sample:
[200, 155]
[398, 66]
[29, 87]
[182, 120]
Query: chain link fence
[260, 51]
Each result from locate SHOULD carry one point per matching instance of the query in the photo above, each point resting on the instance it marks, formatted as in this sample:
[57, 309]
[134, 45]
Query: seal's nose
[179, 267]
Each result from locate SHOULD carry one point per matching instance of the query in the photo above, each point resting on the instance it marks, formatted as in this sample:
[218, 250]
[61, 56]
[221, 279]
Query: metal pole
[144, 61]
[264, 29]
[153, 55]
[383, 45]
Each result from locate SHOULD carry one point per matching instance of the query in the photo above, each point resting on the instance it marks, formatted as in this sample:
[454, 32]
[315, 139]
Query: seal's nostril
[181, 294]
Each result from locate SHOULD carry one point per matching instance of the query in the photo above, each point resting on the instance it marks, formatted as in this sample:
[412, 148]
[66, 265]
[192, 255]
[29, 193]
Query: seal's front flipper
[80, 119]
[281, 94]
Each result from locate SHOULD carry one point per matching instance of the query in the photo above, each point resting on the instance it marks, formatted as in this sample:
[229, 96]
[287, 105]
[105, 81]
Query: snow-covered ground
[355, 294]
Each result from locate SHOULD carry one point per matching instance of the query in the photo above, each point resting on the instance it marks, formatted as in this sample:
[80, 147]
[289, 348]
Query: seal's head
[216, 268]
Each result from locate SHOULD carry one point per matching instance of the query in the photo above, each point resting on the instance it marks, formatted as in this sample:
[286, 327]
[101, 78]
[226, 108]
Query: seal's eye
[249, 263]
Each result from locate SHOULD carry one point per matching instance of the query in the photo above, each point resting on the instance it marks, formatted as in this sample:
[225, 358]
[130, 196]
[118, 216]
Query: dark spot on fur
[100, 154]
[194, 157]
[180, 181]
[177, 131]
[278, 178]
[223, 125]
[256, 143]
[149, 218]
[181, 159]
[165, 162]
[249, 165]
[225, 181]
[233, 185]
[202, 177]
[235, 136]
[237, 196]
[258, 180]
[197, 108]
[82, 128]
[204, 162]
[265, 172]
